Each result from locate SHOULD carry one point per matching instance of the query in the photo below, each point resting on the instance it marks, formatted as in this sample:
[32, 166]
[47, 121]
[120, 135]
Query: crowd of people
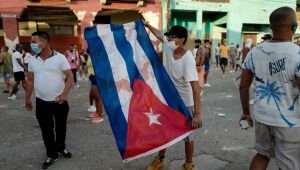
[274, 65]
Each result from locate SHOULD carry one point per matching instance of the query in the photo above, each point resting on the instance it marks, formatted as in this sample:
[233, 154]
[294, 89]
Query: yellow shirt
[89, 65]
[224, 51]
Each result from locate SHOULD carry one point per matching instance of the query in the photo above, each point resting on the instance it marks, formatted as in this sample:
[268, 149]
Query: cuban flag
[145, 111]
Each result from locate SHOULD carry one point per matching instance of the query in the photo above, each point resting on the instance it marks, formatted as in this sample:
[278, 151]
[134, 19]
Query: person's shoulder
[188, 56]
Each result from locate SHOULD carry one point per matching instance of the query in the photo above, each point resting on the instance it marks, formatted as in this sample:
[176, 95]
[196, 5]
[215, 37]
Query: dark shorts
[223, 61]
[206, 67]
[19, 76]
[93, 80]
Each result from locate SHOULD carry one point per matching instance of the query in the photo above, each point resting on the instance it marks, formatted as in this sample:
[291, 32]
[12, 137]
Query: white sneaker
[79, 78]
[207, 85]
[12, 97]
[251, 101]
[92, 108]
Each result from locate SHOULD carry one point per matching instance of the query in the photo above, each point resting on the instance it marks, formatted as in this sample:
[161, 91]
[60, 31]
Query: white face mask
[172, 45]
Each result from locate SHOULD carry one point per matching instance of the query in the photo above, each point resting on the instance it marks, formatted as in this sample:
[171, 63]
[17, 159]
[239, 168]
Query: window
[56, 29]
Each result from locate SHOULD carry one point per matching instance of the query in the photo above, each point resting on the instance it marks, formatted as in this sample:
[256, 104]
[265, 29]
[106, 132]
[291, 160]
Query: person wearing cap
[224, 57]
[182, 71]
[18, 69]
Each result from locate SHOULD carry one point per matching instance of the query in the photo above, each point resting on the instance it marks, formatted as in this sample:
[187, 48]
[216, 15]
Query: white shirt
[49, 78]
[218, 50]
[275, 66]
[27, 58]
[182, 71]
[16, 66]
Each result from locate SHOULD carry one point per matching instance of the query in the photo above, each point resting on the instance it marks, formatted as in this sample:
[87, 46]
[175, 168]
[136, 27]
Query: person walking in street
[224, 57]
[73, 60]
[94, 93]
[83, 68]
[276, 107]
[6, 68]
[18, 69]
[183, 73]
[245, 52]
[238, 57]
[199, 58]
[218, 55]
[50, 75]
[233, 55]
[207, 55]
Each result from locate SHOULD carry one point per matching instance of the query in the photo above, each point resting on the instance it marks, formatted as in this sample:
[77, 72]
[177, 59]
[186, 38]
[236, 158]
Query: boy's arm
[158, 34]
[197, 118]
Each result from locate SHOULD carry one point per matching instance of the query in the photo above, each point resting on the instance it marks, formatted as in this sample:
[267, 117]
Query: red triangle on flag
[152, 125]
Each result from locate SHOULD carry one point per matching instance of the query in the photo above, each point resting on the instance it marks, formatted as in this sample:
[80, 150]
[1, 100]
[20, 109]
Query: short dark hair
[198, 41]
[206, 40]
[279, 18]
[178, 31]
[42, 34]
[71, 45]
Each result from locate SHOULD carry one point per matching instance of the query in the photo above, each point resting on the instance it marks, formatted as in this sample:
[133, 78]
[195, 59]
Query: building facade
[65, 20]
[234, 20]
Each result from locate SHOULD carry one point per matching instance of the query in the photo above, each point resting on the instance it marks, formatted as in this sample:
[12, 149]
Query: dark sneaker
[48, 162]
[65, 154]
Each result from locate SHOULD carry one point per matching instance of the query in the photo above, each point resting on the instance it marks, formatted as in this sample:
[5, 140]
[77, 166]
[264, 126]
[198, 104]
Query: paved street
[220, 144]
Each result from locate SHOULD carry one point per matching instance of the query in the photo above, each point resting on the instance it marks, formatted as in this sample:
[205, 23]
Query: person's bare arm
[298, 82]
[158, 34]
[246, 80]
[197, 118]
[68, 85]
[29, 88]
[21, 63]
[199, 58]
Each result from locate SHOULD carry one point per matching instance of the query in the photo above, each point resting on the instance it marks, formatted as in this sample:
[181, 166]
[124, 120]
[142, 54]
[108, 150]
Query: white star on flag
[152, 117]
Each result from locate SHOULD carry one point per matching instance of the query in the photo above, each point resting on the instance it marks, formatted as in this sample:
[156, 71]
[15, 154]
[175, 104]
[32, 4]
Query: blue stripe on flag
[106, 86]
[166, 85]
[126, 51]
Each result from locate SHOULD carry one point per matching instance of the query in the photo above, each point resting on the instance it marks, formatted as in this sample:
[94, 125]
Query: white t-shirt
[182, 71]
[275, 66]
[27, 58]
[218, 50]
[16, 66]
[49, 78]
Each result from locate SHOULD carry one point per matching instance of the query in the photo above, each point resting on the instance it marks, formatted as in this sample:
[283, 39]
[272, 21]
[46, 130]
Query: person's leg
[91, 99]
[189, 151]
[205, 77]
[60, 116]
[259, 162]
[15, 88]
[74, 75]
[46, 122]
[97, 100]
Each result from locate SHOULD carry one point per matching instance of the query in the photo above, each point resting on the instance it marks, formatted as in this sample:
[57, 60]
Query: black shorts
[223, 61]
[19, 76]
[93, 80]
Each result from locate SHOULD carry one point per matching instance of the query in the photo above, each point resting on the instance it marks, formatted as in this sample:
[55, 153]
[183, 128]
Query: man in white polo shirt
[18, 68]
[50, 74]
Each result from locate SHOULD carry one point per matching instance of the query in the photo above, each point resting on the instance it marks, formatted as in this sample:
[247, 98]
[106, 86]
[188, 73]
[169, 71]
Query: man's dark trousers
[52, 115]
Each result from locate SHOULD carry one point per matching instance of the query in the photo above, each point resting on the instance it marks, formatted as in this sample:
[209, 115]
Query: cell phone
[244, 124]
